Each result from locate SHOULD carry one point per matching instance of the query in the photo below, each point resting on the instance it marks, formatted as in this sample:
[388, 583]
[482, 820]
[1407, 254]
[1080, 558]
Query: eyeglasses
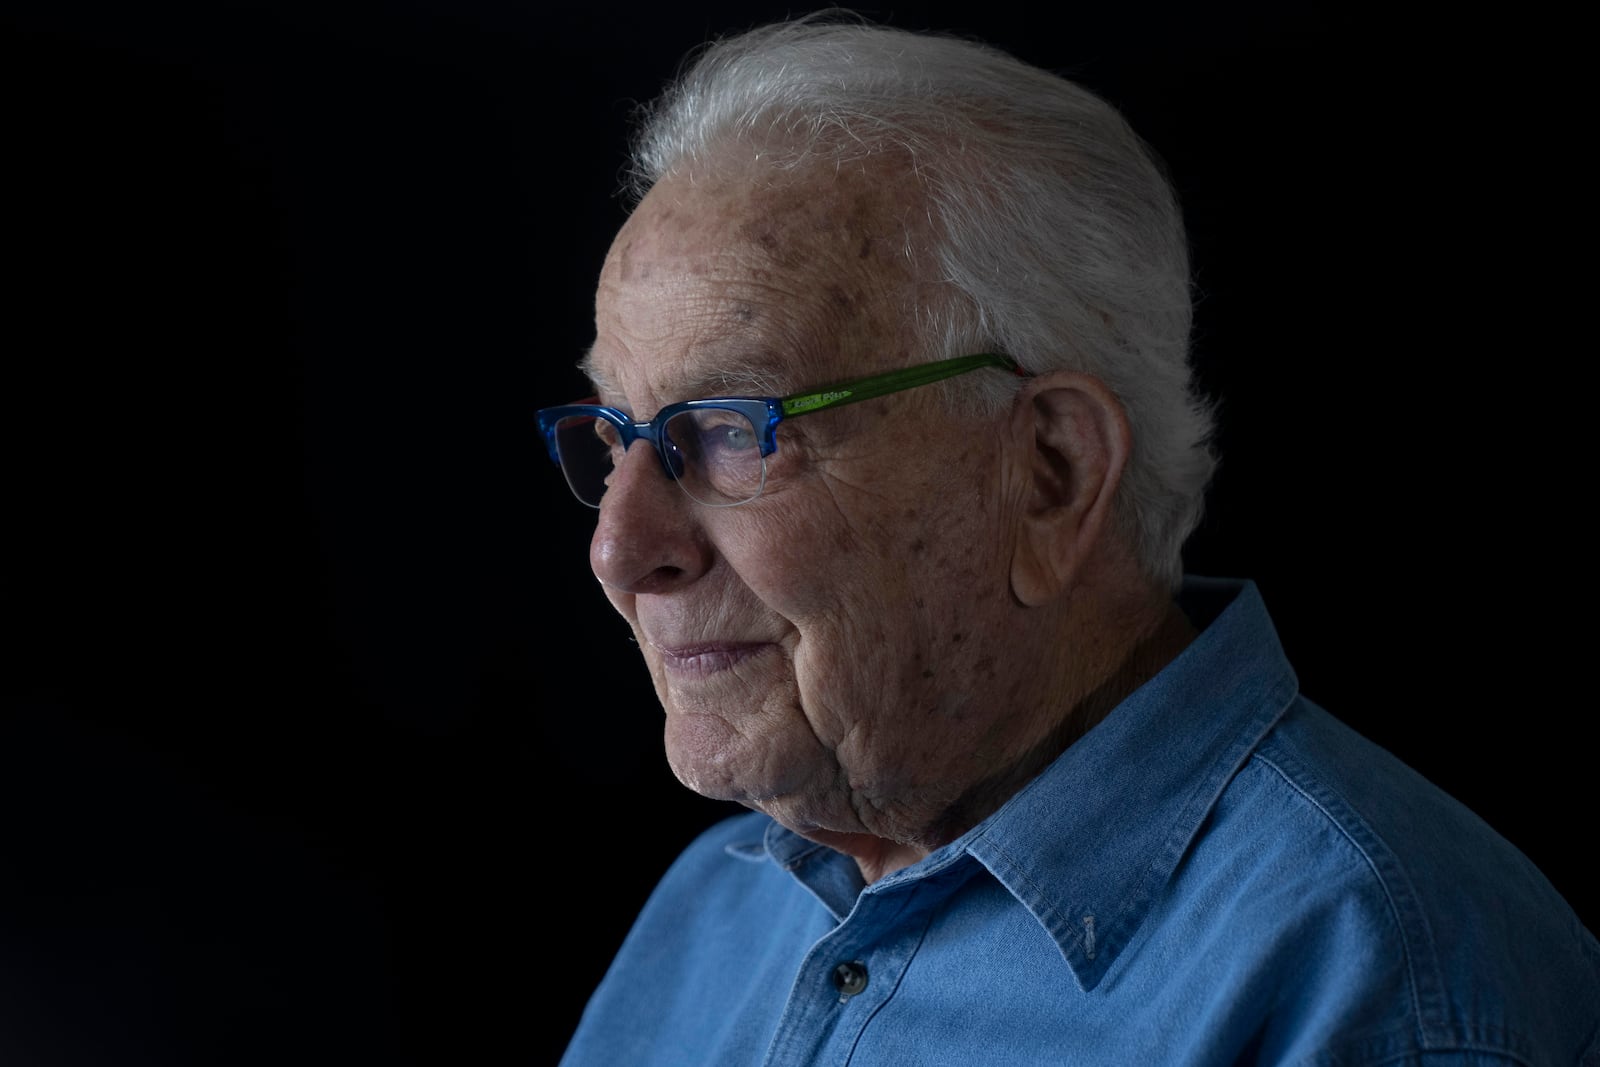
[716, 449]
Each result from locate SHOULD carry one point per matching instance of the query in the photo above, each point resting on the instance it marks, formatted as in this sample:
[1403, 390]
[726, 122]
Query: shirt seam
[1412, 981]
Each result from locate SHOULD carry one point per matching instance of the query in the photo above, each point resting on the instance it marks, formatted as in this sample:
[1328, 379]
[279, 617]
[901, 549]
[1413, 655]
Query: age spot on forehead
[762, 233]
[759, 232]
[628, 265]
[846, 208]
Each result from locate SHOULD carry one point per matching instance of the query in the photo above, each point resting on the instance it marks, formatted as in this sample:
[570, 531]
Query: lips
[708, 658]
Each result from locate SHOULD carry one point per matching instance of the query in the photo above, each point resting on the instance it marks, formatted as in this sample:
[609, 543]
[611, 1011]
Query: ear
[1073, 434]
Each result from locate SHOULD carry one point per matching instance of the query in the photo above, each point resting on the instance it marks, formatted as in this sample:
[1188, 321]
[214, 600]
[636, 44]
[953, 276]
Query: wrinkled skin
[846, 652]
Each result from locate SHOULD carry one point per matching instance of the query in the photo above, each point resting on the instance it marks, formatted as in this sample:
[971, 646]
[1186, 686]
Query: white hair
[1057, 232]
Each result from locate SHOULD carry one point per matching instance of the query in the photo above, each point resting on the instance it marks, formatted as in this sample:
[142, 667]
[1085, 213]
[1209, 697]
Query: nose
[648, 538]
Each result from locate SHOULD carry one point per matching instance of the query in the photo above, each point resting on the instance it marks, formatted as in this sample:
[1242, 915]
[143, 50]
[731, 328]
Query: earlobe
[1072, 432]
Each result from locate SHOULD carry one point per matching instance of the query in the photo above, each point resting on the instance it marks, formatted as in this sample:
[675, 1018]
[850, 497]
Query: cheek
[910, 610]
[880, 586]
[838, 577]
[794, 556]
[869, 628]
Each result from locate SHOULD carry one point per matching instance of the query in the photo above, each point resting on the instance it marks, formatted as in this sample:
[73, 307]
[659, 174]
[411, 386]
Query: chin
[713, 759]
[704, 753]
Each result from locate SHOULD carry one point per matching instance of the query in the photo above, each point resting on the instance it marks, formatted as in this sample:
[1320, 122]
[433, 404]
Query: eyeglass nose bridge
[666, 451]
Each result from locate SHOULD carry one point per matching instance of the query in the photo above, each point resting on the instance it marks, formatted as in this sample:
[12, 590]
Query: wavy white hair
[1057, 232]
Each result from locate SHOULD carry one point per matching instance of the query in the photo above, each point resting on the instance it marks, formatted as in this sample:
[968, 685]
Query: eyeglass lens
[714, 453]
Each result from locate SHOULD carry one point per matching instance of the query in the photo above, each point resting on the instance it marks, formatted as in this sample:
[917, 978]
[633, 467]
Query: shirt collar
[1088, 845]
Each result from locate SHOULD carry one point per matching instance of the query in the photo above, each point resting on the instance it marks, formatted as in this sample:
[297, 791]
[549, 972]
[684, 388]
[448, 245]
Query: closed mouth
[709, 658]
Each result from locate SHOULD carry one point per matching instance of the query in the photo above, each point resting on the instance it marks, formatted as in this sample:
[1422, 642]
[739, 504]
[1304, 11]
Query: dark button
[850, 978]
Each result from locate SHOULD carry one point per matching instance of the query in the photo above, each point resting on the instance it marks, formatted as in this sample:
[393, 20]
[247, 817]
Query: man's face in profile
[818, 651]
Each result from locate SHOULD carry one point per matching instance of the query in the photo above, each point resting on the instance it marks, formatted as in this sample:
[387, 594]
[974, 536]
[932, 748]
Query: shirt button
[850, 978]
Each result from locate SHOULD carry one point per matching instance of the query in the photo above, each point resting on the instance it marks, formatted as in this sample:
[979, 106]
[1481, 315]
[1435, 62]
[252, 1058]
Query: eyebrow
[753, 377]
[756, 375]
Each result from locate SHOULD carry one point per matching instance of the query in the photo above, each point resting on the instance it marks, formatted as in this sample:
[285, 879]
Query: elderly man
[895, 449]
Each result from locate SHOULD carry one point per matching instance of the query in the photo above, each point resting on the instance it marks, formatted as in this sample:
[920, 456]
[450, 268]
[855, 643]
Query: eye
[719, 437]
[735, 435]
[713, 437]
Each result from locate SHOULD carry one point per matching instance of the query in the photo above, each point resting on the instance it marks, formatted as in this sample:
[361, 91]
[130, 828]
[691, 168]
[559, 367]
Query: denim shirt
[1220, 872]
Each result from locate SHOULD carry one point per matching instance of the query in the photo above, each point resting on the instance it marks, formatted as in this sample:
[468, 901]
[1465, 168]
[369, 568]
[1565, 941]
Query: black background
[319, 743]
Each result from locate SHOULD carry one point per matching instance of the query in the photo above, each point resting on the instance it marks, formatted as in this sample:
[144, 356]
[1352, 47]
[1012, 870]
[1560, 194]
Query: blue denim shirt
[1219, 872]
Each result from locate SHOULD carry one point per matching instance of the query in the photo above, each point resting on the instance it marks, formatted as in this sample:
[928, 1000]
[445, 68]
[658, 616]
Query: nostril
[659, 580]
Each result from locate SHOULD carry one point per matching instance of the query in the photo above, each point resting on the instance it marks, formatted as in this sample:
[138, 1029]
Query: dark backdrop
[319, 743]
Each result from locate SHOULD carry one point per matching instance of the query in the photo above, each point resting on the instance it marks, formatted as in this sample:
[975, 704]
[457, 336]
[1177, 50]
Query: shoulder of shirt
[1495, 959]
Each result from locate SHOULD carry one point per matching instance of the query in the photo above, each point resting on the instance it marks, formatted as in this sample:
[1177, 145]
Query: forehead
[749, 280]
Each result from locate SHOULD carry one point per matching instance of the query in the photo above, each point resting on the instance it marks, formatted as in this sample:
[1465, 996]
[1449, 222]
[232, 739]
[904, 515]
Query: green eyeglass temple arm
[893, 382]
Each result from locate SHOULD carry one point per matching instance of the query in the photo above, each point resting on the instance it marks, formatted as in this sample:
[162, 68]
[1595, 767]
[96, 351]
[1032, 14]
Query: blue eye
[731, 437]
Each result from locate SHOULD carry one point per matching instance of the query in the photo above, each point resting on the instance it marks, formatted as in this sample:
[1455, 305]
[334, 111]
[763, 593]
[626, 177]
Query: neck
[1157, 639]
[1156, 645]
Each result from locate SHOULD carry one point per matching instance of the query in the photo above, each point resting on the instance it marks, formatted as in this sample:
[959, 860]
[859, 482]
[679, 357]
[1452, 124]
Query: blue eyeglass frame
[765, 412]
